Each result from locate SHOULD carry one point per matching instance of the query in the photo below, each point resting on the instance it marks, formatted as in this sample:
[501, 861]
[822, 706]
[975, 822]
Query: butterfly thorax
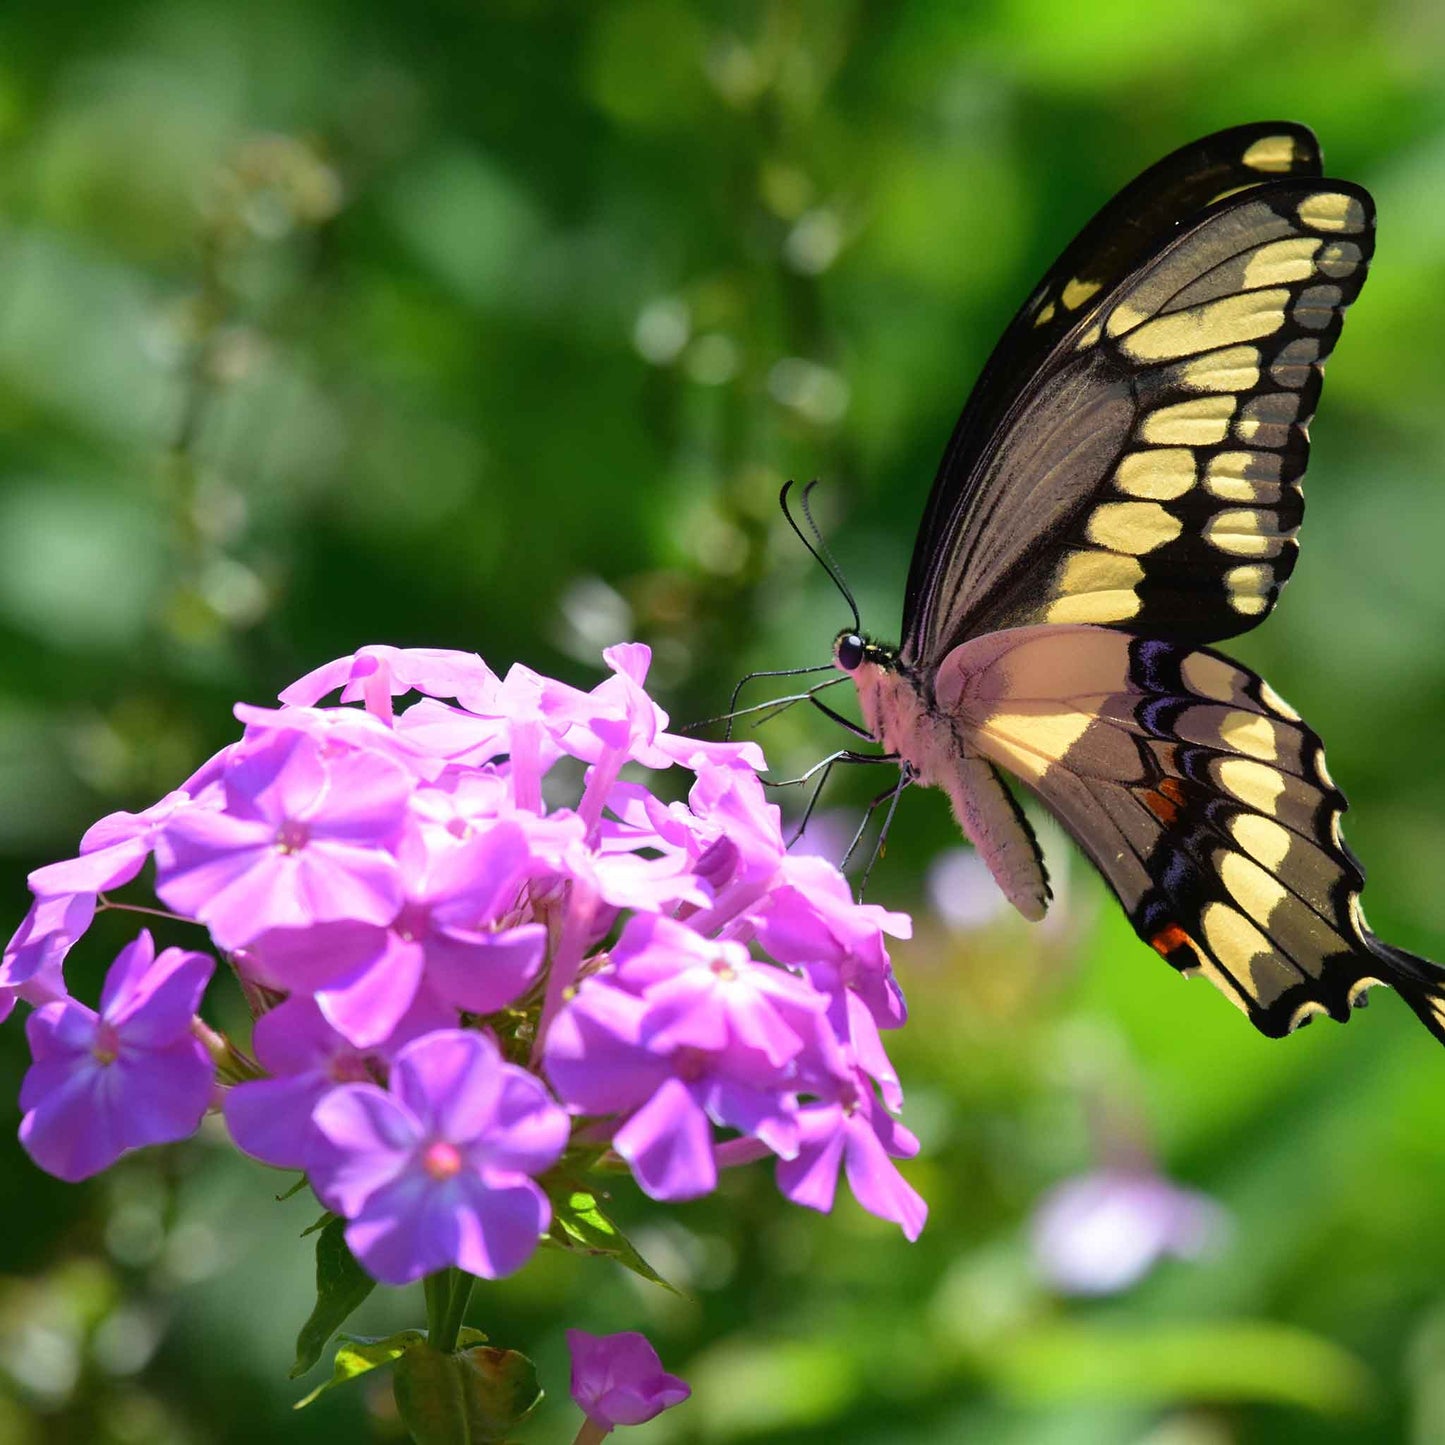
[934, 748]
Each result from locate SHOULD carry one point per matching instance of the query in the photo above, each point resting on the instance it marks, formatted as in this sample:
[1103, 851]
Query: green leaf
[359, 1355]
[341, 1285]
[1230, 1361]
[579, 1224]
[476, 1396]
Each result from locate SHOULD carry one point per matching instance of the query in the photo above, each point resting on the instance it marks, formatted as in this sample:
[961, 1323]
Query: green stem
[591, 1432]
[461, 1293]
[438, 1289]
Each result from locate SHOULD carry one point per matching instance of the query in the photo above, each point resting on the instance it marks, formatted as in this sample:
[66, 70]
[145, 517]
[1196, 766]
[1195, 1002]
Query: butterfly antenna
[821, 554]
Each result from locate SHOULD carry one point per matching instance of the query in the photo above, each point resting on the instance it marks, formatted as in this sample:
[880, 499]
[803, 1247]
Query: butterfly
[1121, 490]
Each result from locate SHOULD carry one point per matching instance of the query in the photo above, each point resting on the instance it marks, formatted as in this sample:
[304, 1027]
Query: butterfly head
[853, 651]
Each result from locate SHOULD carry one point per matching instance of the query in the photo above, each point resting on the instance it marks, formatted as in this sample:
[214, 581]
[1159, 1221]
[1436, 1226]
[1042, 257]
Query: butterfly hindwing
[1146, 475]
[1202, 798]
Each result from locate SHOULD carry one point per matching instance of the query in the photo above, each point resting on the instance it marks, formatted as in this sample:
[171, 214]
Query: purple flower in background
[1102, 1232]
[619, 1380]
[132, 1075]
[438, 1171]
[963, 892]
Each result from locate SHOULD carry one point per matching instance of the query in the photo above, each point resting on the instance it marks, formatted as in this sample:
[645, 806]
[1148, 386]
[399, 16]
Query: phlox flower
[619, 1380]
[303, 838]
[131, 1075]
[438, 1170]
[452, 966]
[270, 1118]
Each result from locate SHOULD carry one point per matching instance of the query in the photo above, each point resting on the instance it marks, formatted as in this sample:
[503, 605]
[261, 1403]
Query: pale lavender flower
[619, 1380]
[963, 892]
[132, 1075]
[1101, 1233]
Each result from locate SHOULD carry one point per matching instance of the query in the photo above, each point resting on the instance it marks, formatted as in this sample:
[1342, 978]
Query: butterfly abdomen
[931, 747]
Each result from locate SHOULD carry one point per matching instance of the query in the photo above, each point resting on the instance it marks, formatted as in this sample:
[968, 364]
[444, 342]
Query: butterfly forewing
[1197, 792]
[1147, 474]
[1124, 234]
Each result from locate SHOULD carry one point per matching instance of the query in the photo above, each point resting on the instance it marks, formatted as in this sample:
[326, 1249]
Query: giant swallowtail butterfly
[1123, 488]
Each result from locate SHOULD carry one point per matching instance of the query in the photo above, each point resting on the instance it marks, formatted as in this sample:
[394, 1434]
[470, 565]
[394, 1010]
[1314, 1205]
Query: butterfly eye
[848, 651]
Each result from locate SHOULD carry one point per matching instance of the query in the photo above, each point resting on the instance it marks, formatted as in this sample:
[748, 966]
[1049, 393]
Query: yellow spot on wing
[1197, 423]
[1124, 317]
[1262, 838]
[1246, 952]
[1245, 532]
[1045, 316]
[1275, 703]
[1097, 572]
[1332, 211]
[1248, 588]
[1249, 733]
[1134, 527]
[1211, 677]
[1255, 784]
[1257, 892]
[1271, 153]
[1236, 368]
[1118, 606]
[1203, 328]
[1035, 741]
[1243, 477]
[1160, 475]
[1077, 292]
[1339, 259]
[1282, 261]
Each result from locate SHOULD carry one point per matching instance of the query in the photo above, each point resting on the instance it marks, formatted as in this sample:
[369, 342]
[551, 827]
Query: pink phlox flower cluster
[409, 912]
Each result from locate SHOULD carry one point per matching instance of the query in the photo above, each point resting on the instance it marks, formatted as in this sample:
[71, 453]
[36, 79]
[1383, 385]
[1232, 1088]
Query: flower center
[292, 836]
[347, 1068]
[106, 1048]
[723, 969]
[412, 923]
[689, 1064]
[441, 1160]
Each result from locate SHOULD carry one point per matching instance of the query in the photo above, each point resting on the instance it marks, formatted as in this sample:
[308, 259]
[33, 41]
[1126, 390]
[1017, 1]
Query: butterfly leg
[856, 729]
[826, 766]
[890, 796]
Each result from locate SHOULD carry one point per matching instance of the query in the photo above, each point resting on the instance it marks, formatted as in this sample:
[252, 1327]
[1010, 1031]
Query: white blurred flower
[962, 891]
[1102, 1232]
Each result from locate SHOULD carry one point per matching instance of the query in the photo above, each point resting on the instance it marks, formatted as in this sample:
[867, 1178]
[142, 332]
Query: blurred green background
[497, 326]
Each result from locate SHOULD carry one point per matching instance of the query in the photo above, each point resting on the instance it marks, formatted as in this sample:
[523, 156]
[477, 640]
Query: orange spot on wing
[1173, 789]
[1166, 801]
[1175, 947]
